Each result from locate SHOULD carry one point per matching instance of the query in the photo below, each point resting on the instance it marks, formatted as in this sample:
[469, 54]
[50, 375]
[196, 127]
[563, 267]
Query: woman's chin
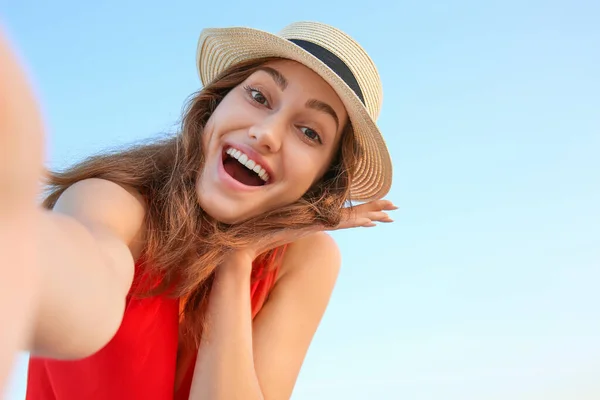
[228, 219]
[222, 215]
[234, 208]
[225, 210]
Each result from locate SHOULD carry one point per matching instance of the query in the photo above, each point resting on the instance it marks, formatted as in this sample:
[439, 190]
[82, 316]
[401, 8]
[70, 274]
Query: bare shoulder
[99, 191]
[104, 206]
[317, 255]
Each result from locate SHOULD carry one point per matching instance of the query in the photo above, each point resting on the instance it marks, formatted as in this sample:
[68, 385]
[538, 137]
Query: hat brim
[221, 48]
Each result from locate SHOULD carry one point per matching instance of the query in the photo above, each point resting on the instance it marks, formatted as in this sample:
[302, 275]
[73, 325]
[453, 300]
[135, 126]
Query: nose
[267, 134]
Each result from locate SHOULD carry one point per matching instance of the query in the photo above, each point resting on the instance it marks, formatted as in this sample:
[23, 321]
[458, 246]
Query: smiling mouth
[243, 169]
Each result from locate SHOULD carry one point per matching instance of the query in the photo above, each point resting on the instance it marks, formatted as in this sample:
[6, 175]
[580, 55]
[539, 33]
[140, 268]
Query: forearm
[225, 364]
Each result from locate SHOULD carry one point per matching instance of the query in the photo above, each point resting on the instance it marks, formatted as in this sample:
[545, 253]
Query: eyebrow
[315, 104]
[324, 107]
[279, 79]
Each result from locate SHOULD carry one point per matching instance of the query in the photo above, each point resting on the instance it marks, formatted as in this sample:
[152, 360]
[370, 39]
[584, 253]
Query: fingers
[367, 215]
[376, 205]
[372, 206]
[367, 220]
[364, 222]
[385, 205]
[379, 216]
[370, 219]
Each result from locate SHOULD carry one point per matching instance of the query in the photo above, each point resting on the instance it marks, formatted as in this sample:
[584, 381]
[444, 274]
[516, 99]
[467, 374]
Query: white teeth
[263, 175]
[248, 163]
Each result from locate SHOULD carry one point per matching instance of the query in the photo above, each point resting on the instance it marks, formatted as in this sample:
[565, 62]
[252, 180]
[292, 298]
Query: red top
[140, 360]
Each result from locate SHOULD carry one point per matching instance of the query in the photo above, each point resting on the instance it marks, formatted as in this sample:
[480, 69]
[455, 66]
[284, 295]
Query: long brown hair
[184, 245]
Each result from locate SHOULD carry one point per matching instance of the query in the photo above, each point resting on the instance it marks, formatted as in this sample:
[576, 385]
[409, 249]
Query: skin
[96, 232]
[273, 114]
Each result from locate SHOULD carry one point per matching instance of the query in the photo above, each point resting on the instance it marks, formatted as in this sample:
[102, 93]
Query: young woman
[194, 267]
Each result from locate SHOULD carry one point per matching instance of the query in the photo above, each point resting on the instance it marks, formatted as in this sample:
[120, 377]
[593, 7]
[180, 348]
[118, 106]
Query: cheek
[208, 130]
[301, 173]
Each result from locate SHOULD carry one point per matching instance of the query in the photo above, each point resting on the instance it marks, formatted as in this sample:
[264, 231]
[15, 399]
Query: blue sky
[486, 285]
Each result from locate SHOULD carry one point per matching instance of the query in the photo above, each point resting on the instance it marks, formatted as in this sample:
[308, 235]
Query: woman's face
[268, 141]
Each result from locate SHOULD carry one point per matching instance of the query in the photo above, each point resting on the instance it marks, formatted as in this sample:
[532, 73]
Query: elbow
[107, 328]
[54, 337]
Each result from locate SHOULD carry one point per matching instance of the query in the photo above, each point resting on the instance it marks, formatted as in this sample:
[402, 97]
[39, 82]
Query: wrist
[238, 263]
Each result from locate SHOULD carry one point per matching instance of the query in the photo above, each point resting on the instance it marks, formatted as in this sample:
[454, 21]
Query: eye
[257, 96]
[311, 135]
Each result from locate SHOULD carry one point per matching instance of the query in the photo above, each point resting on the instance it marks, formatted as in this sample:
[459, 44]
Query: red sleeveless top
[141, 359]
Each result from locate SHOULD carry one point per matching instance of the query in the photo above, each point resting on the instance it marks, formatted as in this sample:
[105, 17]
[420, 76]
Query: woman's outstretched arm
[86, 264]
[81, 273]
[64, 274]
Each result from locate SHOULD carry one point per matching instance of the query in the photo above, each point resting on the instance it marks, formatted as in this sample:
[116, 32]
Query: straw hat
[339, 60]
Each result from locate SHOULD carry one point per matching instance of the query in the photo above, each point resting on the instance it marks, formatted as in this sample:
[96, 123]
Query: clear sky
[486, 286]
